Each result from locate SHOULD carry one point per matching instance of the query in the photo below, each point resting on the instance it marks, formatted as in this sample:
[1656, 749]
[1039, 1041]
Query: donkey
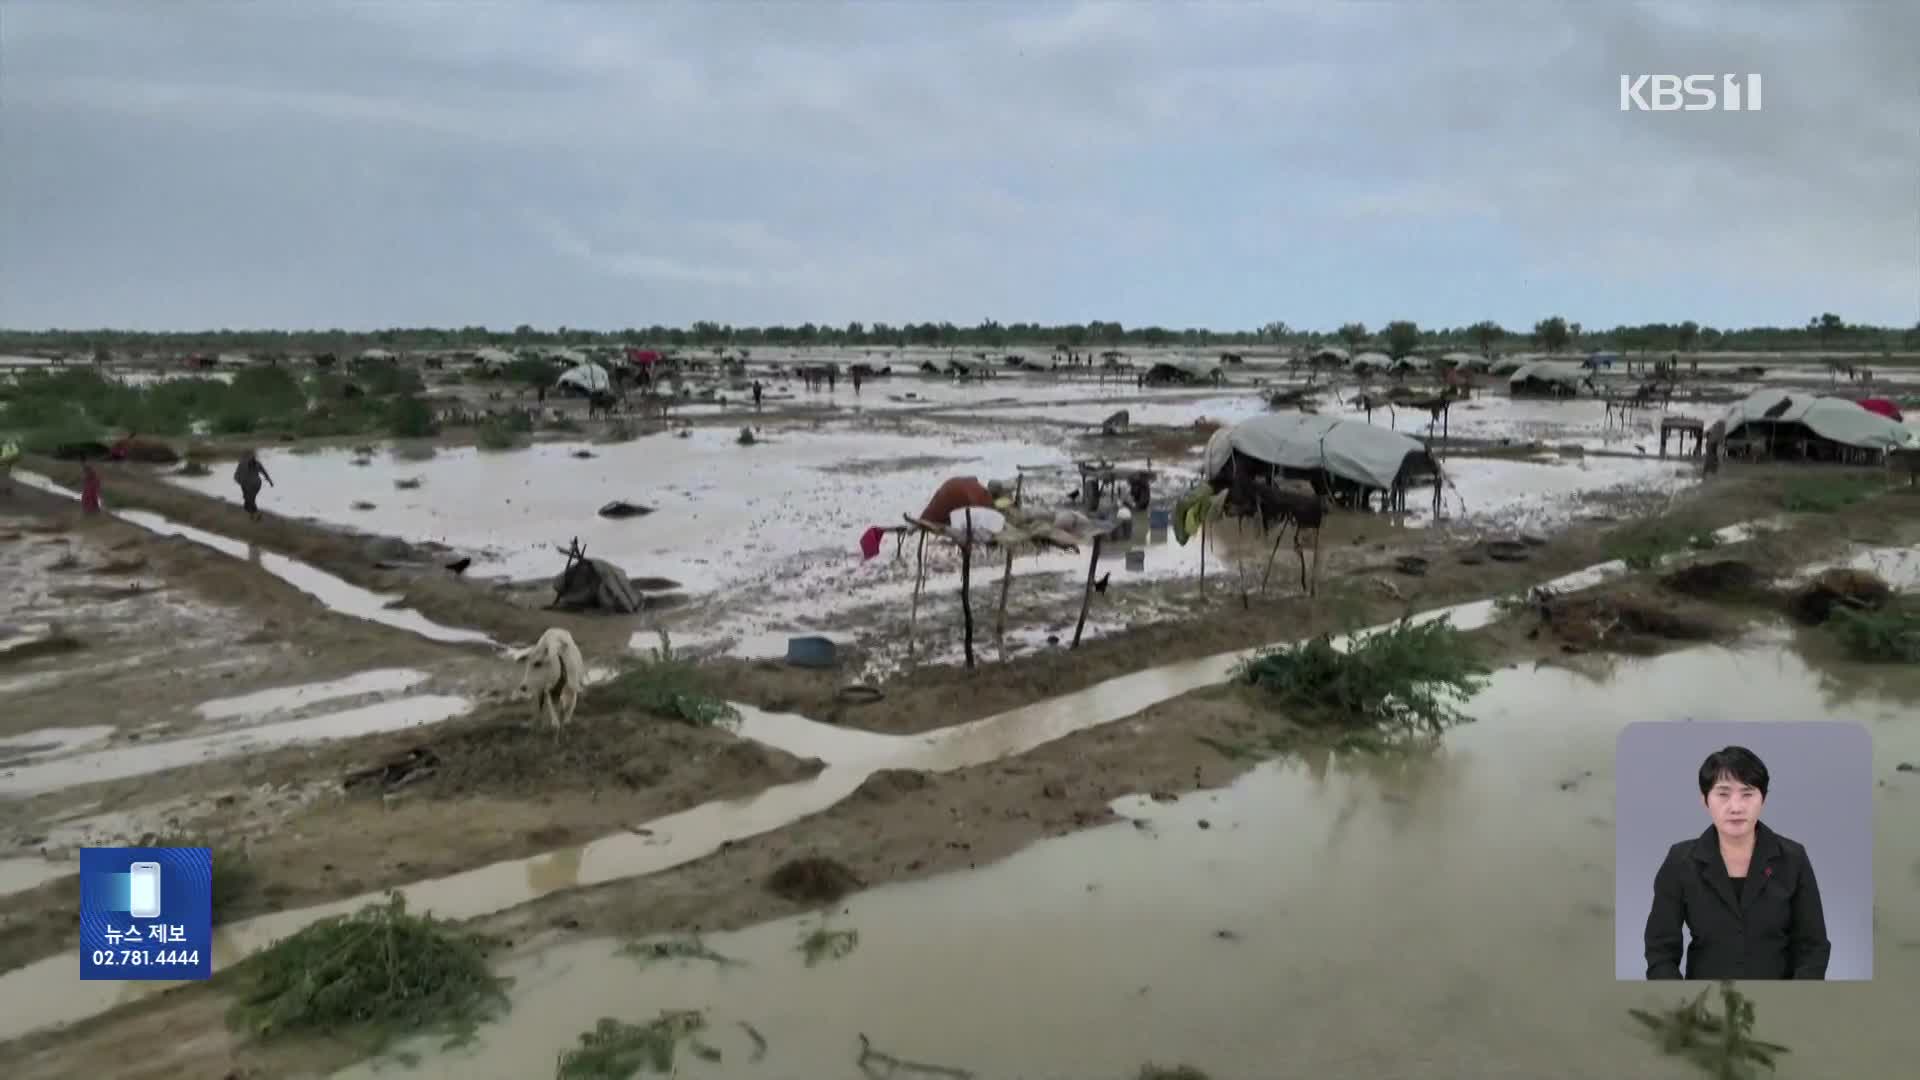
[1276, 507]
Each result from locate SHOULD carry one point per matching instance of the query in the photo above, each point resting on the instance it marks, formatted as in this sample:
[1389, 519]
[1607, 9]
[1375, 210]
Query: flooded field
[320, 691]
[1280, 920]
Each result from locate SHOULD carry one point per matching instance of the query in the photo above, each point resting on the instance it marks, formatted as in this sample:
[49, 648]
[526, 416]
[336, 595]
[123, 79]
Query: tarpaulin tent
[1185, 369]
[1547, 377]
[1883, 407]
[587, 378]
[1301, 444]
[493, 358]
[642, 357]
[1773, 417]
[1327, 354]
[1372, 361]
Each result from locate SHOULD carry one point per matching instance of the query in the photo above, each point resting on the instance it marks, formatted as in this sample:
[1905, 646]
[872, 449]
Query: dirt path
[897, 827]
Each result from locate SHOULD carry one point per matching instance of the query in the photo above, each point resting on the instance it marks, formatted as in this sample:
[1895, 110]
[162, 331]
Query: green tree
[1402, 338]
[1354, 334]
[1485, 334]
[1551, 334]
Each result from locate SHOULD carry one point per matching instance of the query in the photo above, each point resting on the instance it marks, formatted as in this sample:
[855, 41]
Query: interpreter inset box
[146, 913]
[1743, 851]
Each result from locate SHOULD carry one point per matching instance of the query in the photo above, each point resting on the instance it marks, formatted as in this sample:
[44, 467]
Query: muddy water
[143, 758]
[333, 592]
[1442, 917]
[721, 511]
[681, 838]
[288, 698]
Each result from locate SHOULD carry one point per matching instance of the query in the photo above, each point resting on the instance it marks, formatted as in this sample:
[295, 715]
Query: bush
[409, 417]
[1406, 676]
[668, 687]
[374, 976]
[1889, 635]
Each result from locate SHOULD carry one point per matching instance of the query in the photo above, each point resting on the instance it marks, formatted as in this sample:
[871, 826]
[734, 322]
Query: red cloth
[1883, 406]
[957, 493]
[90, 491]
[119, 451]
[870, 542]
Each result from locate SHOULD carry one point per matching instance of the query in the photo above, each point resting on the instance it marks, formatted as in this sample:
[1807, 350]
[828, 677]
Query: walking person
[757, 391]
[248, 475]
[89, 489]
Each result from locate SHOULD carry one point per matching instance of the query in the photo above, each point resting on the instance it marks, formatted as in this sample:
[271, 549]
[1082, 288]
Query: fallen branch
[871, 1059]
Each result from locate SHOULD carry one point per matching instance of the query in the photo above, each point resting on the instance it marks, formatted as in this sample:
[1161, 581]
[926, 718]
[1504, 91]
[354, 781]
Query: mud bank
[1189, 932]
[852, 758]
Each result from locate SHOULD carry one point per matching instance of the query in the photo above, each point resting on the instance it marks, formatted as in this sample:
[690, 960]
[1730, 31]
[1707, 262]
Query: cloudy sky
[370, 163]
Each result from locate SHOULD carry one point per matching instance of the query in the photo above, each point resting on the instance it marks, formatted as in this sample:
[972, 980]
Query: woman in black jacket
[1746, 893]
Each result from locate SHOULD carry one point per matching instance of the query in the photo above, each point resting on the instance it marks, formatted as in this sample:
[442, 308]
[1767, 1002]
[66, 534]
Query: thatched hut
[1345, 460]
[1185, 371]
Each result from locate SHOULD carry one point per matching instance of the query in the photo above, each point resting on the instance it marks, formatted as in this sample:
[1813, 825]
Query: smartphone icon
[143, 890]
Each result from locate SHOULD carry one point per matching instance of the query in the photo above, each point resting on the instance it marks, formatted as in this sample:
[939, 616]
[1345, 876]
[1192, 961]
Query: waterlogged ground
[1445, 917]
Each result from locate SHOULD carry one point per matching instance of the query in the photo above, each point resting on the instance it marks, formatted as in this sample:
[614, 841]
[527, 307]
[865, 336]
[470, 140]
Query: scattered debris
[878, 1065]
[1151, 1071]
[813, 879]
[746, 437]
[1721, 578]
[1722, 1045]
[1622, 618]
[759, 1042]
[621, 509]
[1860, 590]
[377, 975]
[362, 504]
[680, 948]
[824, 944]
[617, 1051]
[417, 764]
[407, 483]
[594, 585]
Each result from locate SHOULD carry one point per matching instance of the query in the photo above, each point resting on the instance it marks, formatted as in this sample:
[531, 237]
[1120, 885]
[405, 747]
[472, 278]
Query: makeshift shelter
[642, 357]
[493, 358]
[1547, 378]
[1186, 369]
[1411, 363]
[384, 355]
[1461, 360]
[1372, 361]
[1600, 360]
[1883, 407]
[1347, 460]
[1506, 365]
[594, 585]
[1809, 427]
[1327, 356]
[587, 378]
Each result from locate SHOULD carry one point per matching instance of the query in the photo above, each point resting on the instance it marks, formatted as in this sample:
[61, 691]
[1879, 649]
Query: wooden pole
[919, 579]
[1086, 598]
[966, 585]
[1203, 558]
[1006, 581]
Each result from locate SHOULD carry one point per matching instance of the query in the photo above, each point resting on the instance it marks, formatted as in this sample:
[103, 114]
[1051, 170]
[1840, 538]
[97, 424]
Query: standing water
[1442, 916]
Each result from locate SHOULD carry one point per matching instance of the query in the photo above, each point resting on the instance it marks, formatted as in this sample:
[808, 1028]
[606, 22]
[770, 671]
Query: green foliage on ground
[1885, 635]
[1722, 1045]
[667, 686]
[373, 977]
[1406, 678]
[1827, 494]
[617, 1051]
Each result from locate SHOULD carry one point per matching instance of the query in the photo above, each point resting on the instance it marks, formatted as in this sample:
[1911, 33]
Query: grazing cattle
[553, 676]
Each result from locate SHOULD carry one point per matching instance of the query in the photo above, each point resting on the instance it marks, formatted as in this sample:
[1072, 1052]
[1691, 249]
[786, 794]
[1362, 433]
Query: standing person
[1745, 893]
[89, 489]
[757, 390]
[248, 475]
[833, 379]
[856, 380]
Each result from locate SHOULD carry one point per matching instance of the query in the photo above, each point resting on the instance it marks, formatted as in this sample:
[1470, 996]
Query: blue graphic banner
[146, 913]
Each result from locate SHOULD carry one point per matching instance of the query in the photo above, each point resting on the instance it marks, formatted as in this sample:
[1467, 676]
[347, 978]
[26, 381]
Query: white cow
[553, 676]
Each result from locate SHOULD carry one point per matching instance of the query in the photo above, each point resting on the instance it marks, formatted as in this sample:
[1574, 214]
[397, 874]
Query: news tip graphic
[146, 913]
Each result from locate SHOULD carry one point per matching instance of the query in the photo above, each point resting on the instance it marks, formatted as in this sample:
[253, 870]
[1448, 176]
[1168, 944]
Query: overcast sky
[401, 163]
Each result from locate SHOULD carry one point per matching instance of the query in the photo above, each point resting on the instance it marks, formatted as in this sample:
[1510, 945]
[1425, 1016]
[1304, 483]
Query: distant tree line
[1553, 334]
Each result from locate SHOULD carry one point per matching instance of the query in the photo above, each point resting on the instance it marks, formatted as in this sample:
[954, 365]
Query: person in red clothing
[89, 490]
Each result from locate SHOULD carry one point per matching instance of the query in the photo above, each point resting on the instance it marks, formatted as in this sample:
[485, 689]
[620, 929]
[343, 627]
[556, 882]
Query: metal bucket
[811, 652]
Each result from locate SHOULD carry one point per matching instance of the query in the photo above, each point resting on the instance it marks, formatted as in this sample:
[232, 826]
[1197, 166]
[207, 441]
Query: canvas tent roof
[588, 377]
[1349, 449]
[1461, 358]
[1329, 352]
[1412, 363]
[1836, 419]
[1192, 366]
[491, 357]
[1558, 371]
[1372, 359]
[376, 354]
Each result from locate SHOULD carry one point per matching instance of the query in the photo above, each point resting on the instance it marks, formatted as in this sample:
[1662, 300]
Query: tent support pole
[1086, 597]
[966, 590]
[919, 579]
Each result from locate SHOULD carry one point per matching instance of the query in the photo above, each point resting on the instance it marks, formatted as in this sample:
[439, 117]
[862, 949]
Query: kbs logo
[1691, 93]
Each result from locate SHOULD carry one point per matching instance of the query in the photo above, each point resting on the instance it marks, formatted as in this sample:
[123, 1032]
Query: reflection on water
[1444, 915]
